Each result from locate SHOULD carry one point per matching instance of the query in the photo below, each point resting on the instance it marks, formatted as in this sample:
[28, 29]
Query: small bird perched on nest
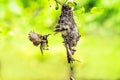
[38, 39]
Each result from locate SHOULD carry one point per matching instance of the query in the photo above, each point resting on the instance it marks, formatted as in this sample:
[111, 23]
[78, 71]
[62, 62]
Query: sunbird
[38, 39]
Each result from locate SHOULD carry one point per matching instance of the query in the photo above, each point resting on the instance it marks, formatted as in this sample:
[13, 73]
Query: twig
[69, 55]
[71, 73]
[58, 2]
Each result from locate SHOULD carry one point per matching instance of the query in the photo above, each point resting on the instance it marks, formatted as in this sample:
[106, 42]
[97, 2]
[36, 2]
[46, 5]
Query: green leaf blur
[98, 49]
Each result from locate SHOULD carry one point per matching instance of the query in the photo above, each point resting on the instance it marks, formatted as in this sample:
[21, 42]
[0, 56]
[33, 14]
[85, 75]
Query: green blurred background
[98, 49]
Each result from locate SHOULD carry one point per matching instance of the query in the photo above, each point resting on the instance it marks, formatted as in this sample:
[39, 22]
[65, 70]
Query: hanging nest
[67, 27]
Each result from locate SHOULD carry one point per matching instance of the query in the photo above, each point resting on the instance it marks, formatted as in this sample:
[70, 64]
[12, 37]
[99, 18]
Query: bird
[38, 39]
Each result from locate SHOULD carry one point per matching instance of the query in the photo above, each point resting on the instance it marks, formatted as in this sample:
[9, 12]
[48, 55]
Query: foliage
[98, 49]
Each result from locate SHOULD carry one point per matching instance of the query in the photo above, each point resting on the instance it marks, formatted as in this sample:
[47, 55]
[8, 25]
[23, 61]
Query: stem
[58, 2]
[69, 55]
[70, 61]
[71, 73]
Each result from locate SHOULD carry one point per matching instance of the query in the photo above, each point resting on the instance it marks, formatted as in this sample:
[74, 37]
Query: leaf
[56, 7]
[96, 10]
[80, 11]
[72, 4]
[75, 3]
[14, 7]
